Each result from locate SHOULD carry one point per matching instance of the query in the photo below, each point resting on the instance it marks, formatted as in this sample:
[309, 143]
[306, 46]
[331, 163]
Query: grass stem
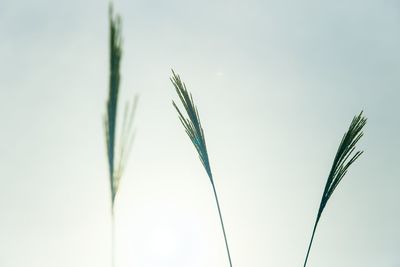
[112, 238]
[311, 241]
[222, 224]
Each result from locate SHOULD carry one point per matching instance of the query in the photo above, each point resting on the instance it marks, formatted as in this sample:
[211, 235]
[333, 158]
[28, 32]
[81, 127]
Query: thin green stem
[112, 238]
[311, 241]
[222, 224]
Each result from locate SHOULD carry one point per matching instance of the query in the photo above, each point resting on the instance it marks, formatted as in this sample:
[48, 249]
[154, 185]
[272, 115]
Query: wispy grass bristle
[126, 139]
[344, 158]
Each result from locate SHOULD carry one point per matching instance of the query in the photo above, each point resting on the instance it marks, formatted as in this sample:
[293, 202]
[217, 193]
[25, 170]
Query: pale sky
[276, 84]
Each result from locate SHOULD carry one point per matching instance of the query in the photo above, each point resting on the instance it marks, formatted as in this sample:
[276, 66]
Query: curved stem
[222, 224]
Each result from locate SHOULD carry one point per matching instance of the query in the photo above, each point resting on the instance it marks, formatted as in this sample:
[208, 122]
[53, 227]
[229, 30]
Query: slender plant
[345, 156]
[117, 150]
[194, 130]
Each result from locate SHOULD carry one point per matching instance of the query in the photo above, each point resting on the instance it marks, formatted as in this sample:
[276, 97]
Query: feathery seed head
[345, 156]
[191, 123]
[117, 159]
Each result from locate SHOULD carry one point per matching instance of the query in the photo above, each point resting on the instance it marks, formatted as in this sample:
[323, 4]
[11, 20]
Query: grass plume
[345, 157]
[195, 131]
[117, 150]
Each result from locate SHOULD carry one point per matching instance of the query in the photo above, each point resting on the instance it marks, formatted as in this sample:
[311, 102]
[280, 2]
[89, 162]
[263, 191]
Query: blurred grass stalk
[195, 132]
[343, 159]
[117, 150]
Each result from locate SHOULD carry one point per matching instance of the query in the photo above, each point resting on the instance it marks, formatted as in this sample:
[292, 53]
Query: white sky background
[276, 83]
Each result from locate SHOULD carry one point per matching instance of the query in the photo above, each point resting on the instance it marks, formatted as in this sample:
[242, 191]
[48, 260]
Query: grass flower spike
[117, 150]
[194, 130]
[345, 156]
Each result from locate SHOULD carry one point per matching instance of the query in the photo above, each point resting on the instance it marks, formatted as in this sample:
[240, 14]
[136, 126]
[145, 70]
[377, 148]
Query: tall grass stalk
[345, 156]
[194, 130]
[117, 150]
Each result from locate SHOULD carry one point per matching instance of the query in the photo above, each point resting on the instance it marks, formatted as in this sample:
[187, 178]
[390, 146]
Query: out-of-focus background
[276, 83]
